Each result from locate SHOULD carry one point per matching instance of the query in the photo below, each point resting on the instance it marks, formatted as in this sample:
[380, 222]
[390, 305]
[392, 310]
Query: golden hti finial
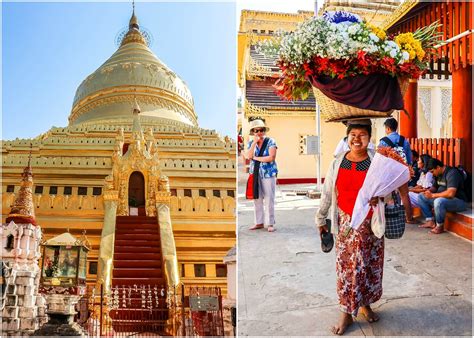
[23, 210]
[133, 20]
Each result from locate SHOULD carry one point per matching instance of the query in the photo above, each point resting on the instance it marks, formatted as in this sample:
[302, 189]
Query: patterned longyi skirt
[359, 265]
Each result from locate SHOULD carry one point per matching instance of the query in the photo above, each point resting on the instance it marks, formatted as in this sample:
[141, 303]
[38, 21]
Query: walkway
[287, 285]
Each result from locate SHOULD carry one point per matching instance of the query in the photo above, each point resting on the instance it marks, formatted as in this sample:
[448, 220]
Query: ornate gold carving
[158, 97]
[140, 158]
[256, 69]
[134, 35]
[23, 210]
[251, 110]
[163, 197]
[130, 65]
[110, 195]
[107, 69]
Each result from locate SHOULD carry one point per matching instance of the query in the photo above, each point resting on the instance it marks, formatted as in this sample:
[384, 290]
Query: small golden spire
[136, 107]
[23, 209]
[133, 20]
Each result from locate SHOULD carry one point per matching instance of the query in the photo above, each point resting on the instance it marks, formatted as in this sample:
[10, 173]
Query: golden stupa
[133, 147]
[22, 210]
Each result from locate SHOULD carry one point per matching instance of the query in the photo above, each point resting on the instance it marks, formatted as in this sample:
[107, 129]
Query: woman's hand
[374, 201]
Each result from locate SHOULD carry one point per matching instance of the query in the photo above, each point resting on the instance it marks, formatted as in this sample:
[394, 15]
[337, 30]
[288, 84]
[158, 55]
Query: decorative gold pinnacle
[23, 209]
[133, 20]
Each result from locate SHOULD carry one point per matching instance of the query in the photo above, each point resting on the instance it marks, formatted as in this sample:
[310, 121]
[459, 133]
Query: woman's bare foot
[369, 314]
[344, 321]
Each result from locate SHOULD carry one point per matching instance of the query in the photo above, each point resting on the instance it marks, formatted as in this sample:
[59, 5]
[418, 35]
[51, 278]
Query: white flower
[353, 28]
[374, 37]
[405, 55]
[392, 44]
[393, 53]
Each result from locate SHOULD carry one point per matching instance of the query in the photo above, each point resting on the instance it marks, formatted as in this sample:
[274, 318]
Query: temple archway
[136, 190]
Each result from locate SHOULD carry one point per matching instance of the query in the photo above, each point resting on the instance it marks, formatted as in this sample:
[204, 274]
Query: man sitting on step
[447, 194]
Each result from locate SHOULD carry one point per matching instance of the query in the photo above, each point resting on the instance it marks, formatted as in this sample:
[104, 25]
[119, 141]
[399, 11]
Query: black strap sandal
[327, 241]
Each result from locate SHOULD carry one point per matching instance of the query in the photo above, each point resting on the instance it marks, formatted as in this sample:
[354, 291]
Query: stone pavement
[287, 285]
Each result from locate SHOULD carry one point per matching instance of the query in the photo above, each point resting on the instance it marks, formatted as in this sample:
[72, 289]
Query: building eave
[399, 13]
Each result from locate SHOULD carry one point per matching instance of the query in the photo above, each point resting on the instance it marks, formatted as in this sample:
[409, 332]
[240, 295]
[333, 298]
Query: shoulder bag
[252, 182]
[394, 218]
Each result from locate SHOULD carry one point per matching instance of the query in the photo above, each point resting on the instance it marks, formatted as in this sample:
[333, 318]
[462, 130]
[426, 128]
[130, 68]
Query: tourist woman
[266, 175]
[359, 253]
[424, 182]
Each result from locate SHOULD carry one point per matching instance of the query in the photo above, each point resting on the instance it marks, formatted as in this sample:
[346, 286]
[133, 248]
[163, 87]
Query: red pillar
[408, 123]
[462, 112]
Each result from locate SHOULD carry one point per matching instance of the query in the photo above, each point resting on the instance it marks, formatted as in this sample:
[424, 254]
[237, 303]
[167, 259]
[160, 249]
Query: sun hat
[257, 124]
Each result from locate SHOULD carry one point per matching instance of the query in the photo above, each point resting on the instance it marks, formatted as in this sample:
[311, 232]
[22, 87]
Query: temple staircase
[137, 252]
[138, 276]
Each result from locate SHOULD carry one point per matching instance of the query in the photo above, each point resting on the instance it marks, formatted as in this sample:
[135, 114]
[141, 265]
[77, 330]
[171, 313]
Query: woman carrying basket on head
[262, 153]
[359, 253]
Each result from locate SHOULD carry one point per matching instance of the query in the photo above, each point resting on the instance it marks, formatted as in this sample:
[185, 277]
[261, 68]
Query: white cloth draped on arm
[384, 176]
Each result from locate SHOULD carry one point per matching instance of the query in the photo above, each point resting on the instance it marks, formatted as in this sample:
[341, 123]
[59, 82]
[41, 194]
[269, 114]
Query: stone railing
[203, 205]
[183, 204]
[227, 165]
[104, 162]
[59, 202]
[54, 162]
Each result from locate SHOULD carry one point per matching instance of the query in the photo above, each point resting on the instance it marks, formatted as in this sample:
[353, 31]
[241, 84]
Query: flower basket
[334, 111]
[354, 69]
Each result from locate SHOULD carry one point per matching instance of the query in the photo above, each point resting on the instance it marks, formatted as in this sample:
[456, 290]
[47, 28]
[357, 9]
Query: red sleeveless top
[349, 180]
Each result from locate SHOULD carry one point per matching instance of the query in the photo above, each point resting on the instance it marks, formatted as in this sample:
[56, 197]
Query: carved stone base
[60, 324]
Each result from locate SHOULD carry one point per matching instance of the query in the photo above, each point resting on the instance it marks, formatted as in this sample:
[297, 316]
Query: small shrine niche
[64, 263]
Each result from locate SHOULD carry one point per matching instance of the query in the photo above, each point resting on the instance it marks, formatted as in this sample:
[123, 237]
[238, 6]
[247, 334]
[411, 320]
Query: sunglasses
[259, 130]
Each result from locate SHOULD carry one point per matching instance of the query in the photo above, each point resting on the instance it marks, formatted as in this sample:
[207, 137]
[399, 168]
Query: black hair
[425, 158]
[433, 163]
[391, 123]
[366, 127]
[415, 154]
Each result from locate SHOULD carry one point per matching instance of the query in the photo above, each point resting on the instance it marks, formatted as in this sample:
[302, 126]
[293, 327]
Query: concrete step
[460, 223]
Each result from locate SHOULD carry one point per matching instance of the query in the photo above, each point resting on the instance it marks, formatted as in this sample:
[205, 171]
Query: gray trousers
[265, 204]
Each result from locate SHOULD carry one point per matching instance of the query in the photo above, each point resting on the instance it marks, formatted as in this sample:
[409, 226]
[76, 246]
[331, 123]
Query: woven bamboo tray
[332, 111]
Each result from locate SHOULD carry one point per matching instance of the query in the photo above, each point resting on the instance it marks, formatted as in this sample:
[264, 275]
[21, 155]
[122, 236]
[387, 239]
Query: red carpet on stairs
[138, 275]
[137, 252]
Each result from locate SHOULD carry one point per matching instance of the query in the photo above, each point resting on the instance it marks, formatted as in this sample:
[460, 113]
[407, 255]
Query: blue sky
[49, 48]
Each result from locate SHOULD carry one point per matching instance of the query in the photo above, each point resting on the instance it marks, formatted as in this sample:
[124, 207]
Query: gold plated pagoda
[23, 210]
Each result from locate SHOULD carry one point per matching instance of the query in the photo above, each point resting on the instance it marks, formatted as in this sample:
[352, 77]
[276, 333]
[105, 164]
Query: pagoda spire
[133, 20]
[23, 210]
[133, 34]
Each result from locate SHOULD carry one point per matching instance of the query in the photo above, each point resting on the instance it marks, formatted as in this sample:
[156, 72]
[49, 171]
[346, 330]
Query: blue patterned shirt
[395, 138]
[267, 169]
